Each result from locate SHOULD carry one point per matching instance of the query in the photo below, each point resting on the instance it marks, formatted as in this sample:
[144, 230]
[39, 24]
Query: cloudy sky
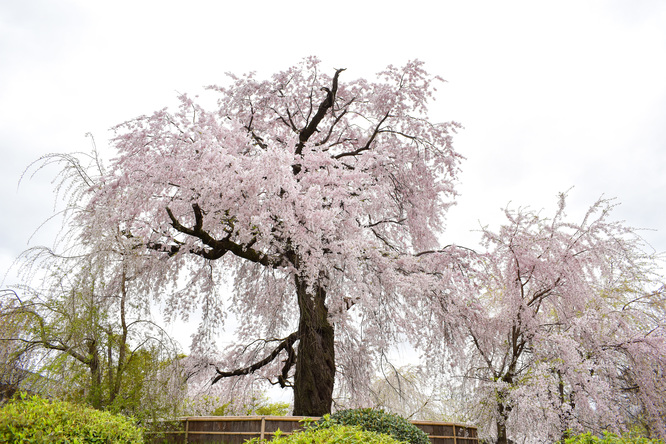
[552, 95]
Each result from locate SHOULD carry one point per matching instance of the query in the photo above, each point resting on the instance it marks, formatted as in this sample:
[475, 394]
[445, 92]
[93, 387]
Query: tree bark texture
[315, 364]
[501, 425]
[95, 375]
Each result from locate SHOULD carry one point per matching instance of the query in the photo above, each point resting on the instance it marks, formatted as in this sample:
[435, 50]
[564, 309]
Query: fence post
[263, 426]
[187, 429]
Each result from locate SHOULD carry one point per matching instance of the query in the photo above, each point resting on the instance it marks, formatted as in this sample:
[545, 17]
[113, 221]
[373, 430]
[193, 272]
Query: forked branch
[285, 344]
[216, 247]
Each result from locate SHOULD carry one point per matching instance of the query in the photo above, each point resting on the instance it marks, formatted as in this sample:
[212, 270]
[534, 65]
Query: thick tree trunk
[315, 363]
[501, 433]
[501, 424]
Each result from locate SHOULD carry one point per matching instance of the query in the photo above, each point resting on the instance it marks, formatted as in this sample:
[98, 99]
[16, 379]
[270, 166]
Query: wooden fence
[238, 429]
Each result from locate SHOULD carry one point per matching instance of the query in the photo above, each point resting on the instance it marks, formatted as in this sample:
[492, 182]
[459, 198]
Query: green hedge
[610, 438]
[333, 434]
[37, 420]
[377, 421]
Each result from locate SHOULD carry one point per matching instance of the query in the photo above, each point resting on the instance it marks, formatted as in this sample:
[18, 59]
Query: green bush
[333, 434]
[38, 420]
[377, 421]
[609, 438]
[258, 406]
[273, 409]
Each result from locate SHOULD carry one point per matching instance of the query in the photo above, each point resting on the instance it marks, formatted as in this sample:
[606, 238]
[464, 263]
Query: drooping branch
[43, 340]
[285, 344]
[288, 364]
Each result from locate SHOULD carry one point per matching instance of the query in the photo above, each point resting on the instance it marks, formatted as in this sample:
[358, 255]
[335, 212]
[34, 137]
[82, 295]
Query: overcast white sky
[552, 95]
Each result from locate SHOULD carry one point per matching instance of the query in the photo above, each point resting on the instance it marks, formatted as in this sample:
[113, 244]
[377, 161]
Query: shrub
[377, 421]
[332, 434]
[261, 409]
[610, 438]
[273, 409]
[38, 420]
[258, 404]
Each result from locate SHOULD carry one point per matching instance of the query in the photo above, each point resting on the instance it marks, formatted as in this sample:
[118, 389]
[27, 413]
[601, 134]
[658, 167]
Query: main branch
[217, 247]
[311, 126]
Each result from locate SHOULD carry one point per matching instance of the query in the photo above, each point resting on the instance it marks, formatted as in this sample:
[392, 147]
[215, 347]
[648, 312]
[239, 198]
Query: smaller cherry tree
[565, 330]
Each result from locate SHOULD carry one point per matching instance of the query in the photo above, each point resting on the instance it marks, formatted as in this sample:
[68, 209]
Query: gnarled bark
[315, 364]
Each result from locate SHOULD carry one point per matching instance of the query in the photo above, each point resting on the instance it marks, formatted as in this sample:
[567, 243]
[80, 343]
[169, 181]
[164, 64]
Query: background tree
[91, 342]
[15, 362]
[84, 312]
[565, 330]
[409, 392]
[306, 189]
